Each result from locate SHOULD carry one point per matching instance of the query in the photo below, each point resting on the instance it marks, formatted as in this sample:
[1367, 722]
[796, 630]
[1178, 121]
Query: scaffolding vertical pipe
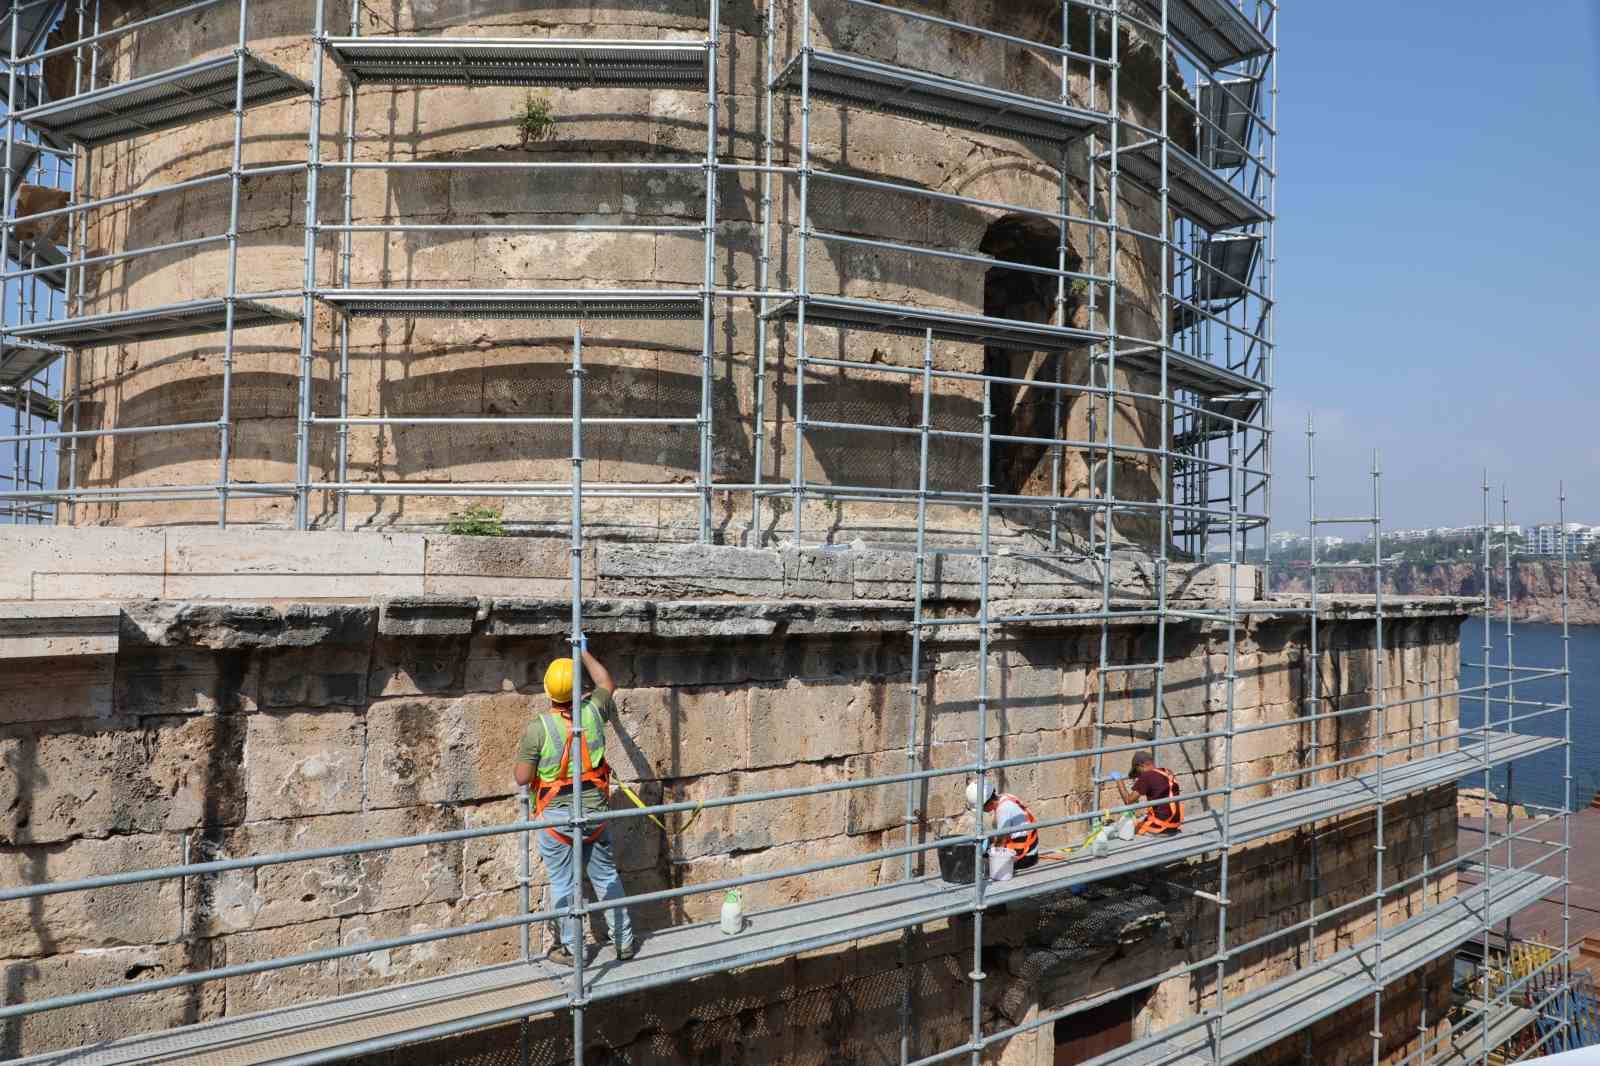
[1270, 309]
[1568, 801]
[763, 279]
[1511, 680]
[81, 186]
[1487, 867]
[1112, 193]
[11, 135]
[1314, 683]
[913, 761]
[802, 293]
[575, 821]
[980, 867]
[1163, 413]
[1231, 687]
[346, 257]
[1062, 207]
[225, 419]
[707, 301]
[1379, 847]
[308, 317]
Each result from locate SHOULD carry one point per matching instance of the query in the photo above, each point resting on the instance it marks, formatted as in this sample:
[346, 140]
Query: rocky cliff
[1535, 586]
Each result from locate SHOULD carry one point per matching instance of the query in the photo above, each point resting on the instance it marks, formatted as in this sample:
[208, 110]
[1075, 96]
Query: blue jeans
[602, 866]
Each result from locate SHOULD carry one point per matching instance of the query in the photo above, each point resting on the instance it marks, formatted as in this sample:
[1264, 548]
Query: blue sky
[1437, 260]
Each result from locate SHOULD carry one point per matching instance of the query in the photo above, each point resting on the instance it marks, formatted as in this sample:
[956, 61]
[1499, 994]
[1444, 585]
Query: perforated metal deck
[516, 303]
[518, 61]
[1193, 189]
[20, 361]
[1307, 996]
[370, 1021]
[844, 313]
[1218, 33]
[162, 101]
[1187, 372]
[857, 82]
[187, 319]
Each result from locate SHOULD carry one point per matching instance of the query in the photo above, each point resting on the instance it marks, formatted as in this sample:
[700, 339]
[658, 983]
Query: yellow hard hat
[558, 681]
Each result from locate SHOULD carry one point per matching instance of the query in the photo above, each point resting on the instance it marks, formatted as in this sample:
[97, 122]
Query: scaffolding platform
[31, 254]
[1193, 189]
[160, 101]
[516, 303]
[24, 360]
[496, 994]
[1464, 1047]
[1188, 372]
[1229, 105]
[1215, 31]
[853, 81]
[187, 319]
[32, 400]
[521, 61]
[843, 312]
[1307, 996]
[1224, 411]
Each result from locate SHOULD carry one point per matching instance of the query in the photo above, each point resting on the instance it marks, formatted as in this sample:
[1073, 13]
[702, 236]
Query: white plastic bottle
[732, 912]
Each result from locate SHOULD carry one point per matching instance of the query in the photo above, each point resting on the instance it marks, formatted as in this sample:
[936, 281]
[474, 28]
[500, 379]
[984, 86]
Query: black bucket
[955, 863]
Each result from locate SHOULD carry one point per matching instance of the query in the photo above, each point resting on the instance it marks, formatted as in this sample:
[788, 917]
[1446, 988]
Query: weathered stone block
[417, 962]
[805, 721]
[36, 690]
[61, 629]
[59, 975]
[499, 566]
[675, 571]
[443, 749]
[813, 574]
[325, 675]
[272, 989]
[414, 667]
[185, 681]
[679, 732]
[295, 892]
[303, 764]
[63, 563]
[144, 913]
[230, 564]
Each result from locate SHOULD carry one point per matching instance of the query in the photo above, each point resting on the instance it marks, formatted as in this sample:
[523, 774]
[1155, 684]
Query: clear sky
[1437, 256]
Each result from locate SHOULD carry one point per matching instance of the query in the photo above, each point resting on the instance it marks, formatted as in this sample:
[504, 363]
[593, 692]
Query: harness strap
[1155, 823]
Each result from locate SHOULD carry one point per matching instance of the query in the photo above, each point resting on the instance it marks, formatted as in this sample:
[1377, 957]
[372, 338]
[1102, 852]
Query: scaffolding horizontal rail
[843, 312]
[1194, 190]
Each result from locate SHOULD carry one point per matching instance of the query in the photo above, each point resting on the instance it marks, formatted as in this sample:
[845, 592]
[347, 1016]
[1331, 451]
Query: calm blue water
[1538, 779]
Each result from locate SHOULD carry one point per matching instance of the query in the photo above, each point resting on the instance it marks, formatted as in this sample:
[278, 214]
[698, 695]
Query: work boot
[628, 950]
[561, 955]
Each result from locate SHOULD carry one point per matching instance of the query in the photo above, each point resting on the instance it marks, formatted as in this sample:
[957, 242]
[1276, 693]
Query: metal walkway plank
[516, 303]
[842, 312]
[187, 319]
[161, 101]
[1305, 997]
[567, 64]
[496, 994]
[19, 362]
[1214, 31]
[854, 81]
[1194, 190]
[1188, 372]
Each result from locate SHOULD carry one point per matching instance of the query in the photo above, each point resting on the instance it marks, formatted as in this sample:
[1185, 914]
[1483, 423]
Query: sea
[1538, 779]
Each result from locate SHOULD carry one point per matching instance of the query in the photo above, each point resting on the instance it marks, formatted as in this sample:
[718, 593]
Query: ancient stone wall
[488, 368]
[236, 729]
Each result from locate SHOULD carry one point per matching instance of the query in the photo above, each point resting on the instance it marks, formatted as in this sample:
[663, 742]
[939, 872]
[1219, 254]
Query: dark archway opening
[1091, 1033]
[1027, 296]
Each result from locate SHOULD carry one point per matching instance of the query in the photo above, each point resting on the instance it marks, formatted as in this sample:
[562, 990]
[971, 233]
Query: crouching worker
[550, 757]
[1008, 812]
[1147, 781]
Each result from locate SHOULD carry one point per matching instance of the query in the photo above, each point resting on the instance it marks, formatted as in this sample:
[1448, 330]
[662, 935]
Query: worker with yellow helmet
[557, 760]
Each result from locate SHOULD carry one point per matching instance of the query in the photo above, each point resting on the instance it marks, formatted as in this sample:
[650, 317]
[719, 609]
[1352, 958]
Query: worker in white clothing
[1009, 812]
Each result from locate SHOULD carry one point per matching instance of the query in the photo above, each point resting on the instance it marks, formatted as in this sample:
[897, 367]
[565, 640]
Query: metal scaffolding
[1198, 185]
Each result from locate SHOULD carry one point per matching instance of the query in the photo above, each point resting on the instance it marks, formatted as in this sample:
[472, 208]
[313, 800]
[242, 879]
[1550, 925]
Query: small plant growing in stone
[476, 521]
[534, 121]
[1079, 288]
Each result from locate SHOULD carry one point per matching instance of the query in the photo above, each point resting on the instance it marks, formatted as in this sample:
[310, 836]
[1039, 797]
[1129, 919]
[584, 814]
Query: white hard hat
[972, 792]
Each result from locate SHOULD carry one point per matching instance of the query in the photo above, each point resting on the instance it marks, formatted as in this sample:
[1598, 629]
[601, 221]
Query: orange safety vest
[598, 776]
[1028, 844]
[1154, 823]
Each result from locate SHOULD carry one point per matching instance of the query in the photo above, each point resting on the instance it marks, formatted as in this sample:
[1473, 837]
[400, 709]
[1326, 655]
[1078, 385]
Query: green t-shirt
[541, 744]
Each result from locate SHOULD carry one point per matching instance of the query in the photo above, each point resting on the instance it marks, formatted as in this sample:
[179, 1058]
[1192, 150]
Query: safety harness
[592, 775]
[1155, 823]
[1029, 843]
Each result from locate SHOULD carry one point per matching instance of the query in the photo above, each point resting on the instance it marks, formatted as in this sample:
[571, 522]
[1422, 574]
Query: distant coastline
[1535, 586]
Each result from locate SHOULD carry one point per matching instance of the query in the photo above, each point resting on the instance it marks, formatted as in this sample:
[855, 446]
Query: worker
[1009, 813]
[550, 757]
[1148, 781]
